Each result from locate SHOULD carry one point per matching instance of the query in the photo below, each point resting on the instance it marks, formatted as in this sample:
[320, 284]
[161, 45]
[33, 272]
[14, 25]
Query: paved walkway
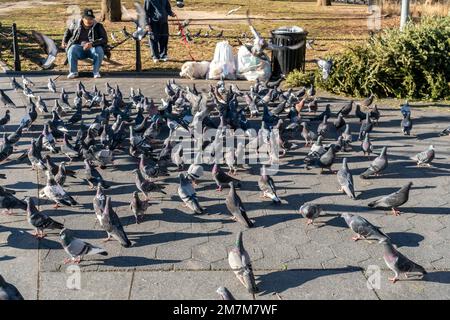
[176, 255]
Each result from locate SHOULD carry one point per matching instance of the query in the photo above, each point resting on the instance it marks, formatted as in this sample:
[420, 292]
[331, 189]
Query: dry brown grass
[418, 8]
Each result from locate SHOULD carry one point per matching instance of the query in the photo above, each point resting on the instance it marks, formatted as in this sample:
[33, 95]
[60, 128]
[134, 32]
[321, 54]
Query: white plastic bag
[251, 67]
[224, 63]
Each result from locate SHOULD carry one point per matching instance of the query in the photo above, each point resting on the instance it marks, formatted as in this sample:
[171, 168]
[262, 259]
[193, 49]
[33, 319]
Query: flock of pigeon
[136, 125]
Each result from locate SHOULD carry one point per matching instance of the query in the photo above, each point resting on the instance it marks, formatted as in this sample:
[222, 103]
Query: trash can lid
[293, 29]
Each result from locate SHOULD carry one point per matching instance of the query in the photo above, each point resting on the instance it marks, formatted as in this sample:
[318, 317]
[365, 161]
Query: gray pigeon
[138, 207]
[236, 208]
[425, 157]
[310, 211]
[99, 200]
[93, 177]
[51, 85]
[224, 293]
[366, 145]
[187, 193]
[146, 186]
[345, 180]
[363, 228]
[8, 291]
[241, 265]
[398, 263]
[61, 175]
[407, 125]
[393, 200]
[6, 100]
[222, 179]
[378, 164]
[8, 202]
[77, 248]
[56, 193]
[110, 222]
[40, 220]
[267, 186]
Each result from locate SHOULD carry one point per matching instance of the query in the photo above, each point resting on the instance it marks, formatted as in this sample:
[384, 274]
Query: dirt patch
[6, 7]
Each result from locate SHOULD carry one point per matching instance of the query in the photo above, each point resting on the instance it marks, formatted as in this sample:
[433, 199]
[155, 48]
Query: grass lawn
[333, 28]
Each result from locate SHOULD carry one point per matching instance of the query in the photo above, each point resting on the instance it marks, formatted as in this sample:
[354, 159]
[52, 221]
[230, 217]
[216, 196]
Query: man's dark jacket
[157, 10]
[97, 35]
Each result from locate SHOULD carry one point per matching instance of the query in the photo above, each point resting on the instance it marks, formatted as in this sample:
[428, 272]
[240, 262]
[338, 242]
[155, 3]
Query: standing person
[157, 12]
[85, 39]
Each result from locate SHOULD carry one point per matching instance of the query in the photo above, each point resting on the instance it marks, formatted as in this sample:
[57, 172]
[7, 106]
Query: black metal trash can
[285, 61]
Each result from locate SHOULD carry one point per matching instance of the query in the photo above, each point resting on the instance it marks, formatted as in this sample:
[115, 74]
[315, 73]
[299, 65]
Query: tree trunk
[324, 2]
[111, 10]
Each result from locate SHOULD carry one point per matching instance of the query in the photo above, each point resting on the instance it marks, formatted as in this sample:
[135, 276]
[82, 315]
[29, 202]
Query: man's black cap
[88, 13]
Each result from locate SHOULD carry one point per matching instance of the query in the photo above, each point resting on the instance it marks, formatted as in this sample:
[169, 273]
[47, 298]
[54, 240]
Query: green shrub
[414, 63]
[298, 78]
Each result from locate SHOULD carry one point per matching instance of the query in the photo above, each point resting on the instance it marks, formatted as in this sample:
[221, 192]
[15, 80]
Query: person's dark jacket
[97, 35]
[157, 11]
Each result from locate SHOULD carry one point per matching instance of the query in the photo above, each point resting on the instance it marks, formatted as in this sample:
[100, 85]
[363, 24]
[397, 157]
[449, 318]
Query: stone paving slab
[175, 249]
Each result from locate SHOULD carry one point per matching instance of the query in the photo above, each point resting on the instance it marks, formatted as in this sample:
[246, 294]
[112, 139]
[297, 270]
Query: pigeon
[311, 91]
[398, 263]
[375, 114]
[35, 157]
[310, 211]
[378, 164]
[224, 293]
[363, 228]
[76, 116]
[8, 291]
[236, 208]
[346, 109]
[51, 85]
[445, 132]
[267, 186]
[345, 180]
[93, 177]
[339, 122]
[241, 265]
[187, 193]
[56, 193]
[140, 21]
[138, 207]
[6, 148]
[195, 170]
[222, 179]
[393, 200]
[39, 220]
[146, 186]
[9, 202]
[366, 145]
[77, 248]
[48, 140]
[324, 67]
[99, 201]
[425, 157]
[368, 101]
[15, 85]
[407, 125]
[41, 105]
[308, 135]
[6, 100]
[15, 136]
[27, 81]
[28, 92]
[6, 118]
[405, 109]
[61, 175]
[366, 127]
[68, 149]
[359, 114]
[110, 222]
[49, 47]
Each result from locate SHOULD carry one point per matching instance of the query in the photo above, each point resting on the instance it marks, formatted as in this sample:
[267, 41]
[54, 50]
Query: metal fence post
[15, 48]
[138, 56]
[405, 14]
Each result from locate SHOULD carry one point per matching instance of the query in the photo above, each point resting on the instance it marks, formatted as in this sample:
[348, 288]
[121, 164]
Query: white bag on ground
[251, 68]
[224, 63]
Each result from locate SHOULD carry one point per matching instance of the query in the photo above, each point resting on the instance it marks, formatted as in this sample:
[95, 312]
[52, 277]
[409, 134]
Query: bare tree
[111, 10]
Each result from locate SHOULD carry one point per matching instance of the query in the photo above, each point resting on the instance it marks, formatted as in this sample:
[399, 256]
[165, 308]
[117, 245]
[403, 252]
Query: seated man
[85, 39]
